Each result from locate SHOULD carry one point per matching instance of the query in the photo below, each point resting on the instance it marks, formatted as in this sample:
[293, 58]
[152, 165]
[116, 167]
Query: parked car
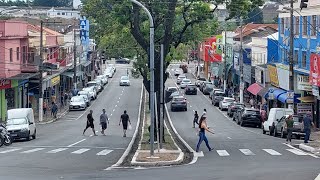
[86, 94]
[248, 116]
[174, 94]
[95, 84]
[226, 101]
[216, 100]
[297, 129]
[180, 78]
[203, 84]
[21, 124]
[191, 89]
[199, 81]
[86, 99]
[207, 89]
[179, 103]
[124, 81]
[233, 108]
[274, 115]
[92, 92]
[213, 92]
[168, 92]
[103, 79]
[100, 83]
[77, 103]
[184, 83]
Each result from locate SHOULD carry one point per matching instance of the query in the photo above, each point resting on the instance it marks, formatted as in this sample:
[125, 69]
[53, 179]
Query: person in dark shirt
[90, 123]
[195, 118]
[289, 124]
[307, 123]
[124, 119]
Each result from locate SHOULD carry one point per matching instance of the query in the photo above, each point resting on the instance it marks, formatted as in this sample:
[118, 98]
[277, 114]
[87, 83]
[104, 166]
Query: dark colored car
[179, 103]
[191, 89]
[123, 61]
[216, 100]
[281, 129]
[207, 89]
[234, 107]
[217, 93]
[169, 92]
[249, 116]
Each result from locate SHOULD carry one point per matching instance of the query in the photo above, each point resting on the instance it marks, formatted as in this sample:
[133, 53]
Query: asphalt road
[60, 147]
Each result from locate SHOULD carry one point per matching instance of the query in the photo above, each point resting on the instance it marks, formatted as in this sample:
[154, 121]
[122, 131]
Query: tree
[51, 3]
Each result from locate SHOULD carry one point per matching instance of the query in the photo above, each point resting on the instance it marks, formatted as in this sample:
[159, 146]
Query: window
[58, 13]
[313, 25]
[24, 54]
[51, 53]
[18, 53]
[63, 13]
[282, 25]
[304, 25]
[295, 57]
[304, 59]
[296, 29]
[10, 54]
[262, 77]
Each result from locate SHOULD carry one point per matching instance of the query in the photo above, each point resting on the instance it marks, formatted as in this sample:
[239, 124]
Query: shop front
[8, 96]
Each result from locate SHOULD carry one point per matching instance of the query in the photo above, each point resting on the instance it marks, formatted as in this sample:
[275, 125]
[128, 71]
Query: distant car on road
[207, 89]
[77, 103]
[179, 103]
[226, 101]
[124, 81]
[185, 83]
[216, 100]
[199, 81]
[180, 78]
[191, 89]
[213, 92]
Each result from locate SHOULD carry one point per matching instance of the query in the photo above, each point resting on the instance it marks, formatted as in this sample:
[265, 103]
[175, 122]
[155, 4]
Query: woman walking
[202, 136]
[195, 118]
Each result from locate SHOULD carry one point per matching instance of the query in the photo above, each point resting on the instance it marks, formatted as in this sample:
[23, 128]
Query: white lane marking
[104, 152]
[113, 110]
[80, 151]
[229, 137]
[116, 105]
[297, 152]
[76, 142]
[247, 152]
[57, 150]
[317, 178]
[223, 153]
[310, 154]
[110, 114]
[272, 152]
[33, 150]
[118, 101]
[10, 150]
[199, 154]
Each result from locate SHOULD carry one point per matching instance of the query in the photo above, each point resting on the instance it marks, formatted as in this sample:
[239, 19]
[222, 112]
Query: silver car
[77, 103]
[103, 78]
[179, 103]
[226, 101]
[124, 81]
[86, 99]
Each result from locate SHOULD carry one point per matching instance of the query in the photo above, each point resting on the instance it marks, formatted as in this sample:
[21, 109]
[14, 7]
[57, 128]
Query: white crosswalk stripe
[297, 152]
[272, 152]
[33, 150]
[57, 150]
[9, 150]
[80, 151]
[104, 152]
[223, 153]
[247, 152]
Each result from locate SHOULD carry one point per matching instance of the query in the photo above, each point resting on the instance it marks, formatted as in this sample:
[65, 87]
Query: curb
[307, 148]
[55, 119]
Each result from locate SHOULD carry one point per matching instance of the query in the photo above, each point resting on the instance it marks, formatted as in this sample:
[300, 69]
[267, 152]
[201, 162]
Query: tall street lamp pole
[291, 73]
[41, 74]
[152, 94]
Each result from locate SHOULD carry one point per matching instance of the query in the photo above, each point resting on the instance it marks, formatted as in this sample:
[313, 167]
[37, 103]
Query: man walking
[103, 121]
[307, 123]
[124, 119]
[289, 124]
[54, 110]
[90, 123]
[204, 114]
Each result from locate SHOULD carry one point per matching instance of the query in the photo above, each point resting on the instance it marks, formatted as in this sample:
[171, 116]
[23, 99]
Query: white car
[103, 79]
[124, 81]
[185, 83]
[77, 103]
[86, 99]
[109, 72]
[180, 78]
[226, 101]
[91, 91]
[95, 84]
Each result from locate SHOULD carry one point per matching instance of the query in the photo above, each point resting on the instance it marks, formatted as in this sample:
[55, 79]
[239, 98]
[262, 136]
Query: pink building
[13, 48]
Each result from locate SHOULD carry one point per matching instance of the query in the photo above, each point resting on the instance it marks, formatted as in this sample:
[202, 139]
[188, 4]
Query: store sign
[236, 65]
[290, 97]
[303, 83]
[283, 76]
[315, 90]
[304, 108]
[273, 75]
[5, 83]
[55, 80]
[271, 95]
[314, 69]
[247, 73]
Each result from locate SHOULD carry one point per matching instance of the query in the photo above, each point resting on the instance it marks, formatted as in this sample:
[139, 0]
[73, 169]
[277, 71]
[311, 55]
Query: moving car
[168, 92]
[297, 129]
[179, 103]
[199, 81]
[207, 89]
[180, 78]
[191, 89]
[174, 94]
[226, 101]
[91, 91]
[124, 81]
[184, 83]
[21, 124]
[274, 115]
[216, 100]
[246, 116]
[77, 103]
[233, 108]
[177, 72]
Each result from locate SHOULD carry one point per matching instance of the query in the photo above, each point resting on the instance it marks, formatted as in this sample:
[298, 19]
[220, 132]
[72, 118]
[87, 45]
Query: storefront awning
[283, 98]
[276, 92]
[307, 99]
[254, 88]
[263, 92]
[70, 74]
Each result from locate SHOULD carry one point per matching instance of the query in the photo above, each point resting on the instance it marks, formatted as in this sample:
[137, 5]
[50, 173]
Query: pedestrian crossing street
[74, 151]
[248, 152]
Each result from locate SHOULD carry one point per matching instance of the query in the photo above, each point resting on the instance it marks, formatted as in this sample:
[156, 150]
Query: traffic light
[303, 4]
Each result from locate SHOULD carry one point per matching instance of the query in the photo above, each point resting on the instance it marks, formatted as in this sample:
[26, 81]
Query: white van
[274, 115]
[20, 123]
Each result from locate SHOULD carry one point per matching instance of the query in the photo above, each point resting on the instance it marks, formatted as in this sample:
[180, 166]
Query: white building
[77, 4]
[63, 13]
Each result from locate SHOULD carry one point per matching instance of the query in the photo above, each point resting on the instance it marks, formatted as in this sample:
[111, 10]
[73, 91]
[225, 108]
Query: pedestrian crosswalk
[51, 150]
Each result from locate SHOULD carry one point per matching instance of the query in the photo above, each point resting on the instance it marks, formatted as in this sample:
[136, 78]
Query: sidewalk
[313, 145]
[48, 118]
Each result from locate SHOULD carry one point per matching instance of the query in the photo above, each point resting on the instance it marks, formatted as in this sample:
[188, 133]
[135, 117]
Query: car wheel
[275, 132]
[233, 119]
[34, 134]
[186, 109]
[172, 109]
[28, 137]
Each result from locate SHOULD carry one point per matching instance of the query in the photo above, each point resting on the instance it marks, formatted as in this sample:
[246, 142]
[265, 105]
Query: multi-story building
[66, 13]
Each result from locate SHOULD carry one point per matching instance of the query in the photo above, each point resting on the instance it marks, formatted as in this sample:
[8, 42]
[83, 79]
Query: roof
[47, 30]
[251, 28]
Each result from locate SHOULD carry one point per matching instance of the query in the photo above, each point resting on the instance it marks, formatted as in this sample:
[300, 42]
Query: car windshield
[91, 84]
[209, 86]
[202, 79]
[182, 77]
[17, 121]
[124, 78]
[192, 86]
[77, 99]
[172, 89]
[175, 93]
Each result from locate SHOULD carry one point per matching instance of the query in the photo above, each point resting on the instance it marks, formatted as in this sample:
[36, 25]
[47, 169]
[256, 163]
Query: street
[61, 148]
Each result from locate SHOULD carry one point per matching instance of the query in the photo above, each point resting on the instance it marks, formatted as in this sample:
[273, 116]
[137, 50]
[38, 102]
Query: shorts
[125, 126]
[104, 126]
[90, 125]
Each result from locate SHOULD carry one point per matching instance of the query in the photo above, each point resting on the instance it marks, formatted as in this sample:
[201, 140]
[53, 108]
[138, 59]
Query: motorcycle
[5, 137]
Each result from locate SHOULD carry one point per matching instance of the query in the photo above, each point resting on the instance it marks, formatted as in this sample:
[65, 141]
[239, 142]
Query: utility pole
[291, 72]
[161, 97]
[74, 59]
[241, 63]
[41, 73]
[225, 61]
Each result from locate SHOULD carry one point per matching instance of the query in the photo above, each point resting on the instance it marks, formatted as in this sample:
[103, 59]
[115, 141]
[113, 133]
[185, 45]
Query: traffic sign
[290, 96]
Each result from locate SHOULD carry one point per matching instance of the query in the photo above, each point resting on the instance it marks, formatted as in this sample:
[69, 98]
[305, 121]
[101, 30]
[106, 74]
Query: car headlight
[24, 129]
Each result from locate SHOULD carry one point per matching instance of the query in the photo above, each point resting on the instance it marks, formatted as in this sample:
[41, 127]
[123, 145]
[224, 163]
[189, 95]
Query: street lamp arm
[147, 11]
